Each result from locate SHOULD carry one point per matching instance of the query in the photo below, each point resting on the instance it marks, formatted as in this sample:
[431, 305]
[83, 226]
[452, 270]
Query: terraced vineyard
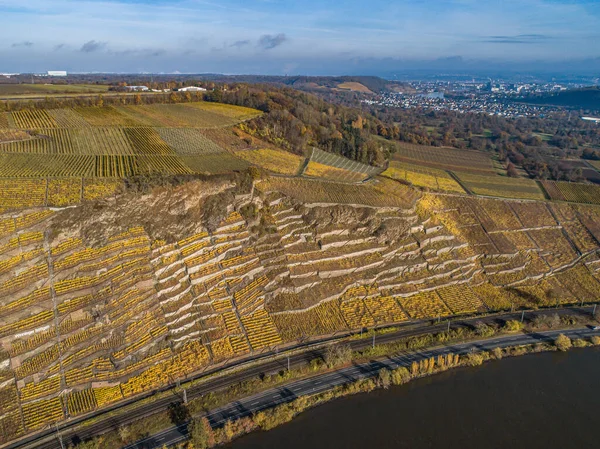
[135, 312]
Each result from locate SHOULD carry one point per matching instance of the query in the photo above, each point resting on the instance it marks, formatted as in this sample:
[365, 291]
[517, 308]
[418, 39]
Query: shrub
[595, 340]
[337, 355]
[580, 343]
[563, 343]
[513, 326]
[400, 376]
[483, 330]
[474, 359]
[384, 377]
[497, 353]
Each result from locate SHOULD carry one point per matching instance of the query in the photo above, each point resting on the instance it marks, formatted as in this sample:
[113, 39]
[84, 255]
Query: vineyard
[420, 176]
[502, 186]
[227, 110]
[133, 313]
[312, 191]
[53, 192]
[444, 158]
[117, 142]
[568, 191]
[277, 161]
[337, 168]
[99, 304]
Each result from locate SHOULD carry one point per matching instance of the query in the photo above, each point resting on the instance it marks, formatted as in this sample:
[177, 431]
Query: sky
[308, 37]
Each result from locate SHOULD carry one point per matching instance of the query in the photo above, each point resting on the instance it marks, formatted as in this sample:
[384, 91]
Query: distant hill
[588, 98]
[363, 84]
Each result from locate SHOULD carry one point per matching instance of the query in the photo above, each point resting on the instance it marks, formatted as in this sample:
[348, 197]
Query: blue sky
[294, 37]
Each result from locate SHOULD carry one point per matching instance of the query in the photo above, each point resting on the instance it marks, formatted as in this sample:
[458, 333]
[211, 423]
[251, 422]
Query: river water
[548, 401]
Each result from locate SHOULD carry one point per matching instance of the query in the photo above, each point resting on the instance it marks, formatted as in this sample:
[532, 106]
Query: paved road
[324, 382]
[261, 363]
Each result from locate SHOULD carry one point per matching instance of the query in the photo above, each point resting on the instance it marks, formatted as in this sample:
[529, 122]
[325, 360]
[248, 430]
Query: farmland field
[354, 86]
[277, 161]
[123, 141]
[33, 166]
[227, 110]
[501, 186]
[214, 163]
[421, 176]
[190, 115]
[17, 89]
[569, 191]
[188, 141]
[444, 158]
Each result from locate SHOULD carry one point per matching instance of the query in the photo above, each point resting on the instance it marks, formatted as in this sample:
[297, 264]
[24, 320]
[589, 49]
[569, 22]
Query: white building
[57, 73]
[192, 89]
[137, 88]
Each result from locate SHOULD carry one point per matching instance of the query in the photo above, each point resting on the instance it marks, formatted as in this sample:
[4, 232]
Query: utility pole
[373, 341]
[184, 396]
[288, 357]
[448, 325]
[522, 315]
[594, 311]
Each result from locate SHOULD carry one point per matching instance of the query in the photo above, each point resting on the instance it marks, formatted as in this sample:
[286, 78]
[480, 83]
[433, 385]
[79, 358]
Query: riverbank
[542, 401]
[238, 417]
[203, 436]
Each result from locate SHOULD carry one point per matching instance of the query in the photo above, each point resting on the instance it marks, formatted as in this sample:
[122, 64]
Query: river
[549, 401]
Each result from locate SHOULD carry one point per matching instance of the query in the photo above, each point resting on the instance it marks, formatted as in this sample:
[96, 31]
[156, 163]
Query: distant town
[493, 98]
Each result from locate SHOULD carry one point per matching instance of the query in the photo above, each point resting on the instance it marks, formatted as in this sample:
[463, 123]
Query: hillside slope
[118, 296]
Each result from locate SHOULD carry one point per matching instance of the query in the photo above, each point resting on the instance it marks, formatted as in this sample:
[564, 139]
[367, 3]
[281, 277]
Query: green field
[23, 89]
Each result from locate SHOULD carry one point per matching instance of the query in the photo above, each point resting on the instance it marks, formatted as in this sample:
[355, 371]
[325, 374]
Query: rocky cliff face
[113, 298]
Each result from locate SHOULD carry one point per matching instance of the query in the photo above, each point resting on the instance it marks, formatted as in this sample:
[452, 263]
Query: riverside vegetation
[203, 436]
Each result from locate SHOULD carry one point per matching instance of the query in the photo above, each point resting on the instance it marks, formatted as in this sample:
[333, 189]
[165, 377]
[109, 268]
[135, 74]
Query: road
[321, 383]
[258, 364]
